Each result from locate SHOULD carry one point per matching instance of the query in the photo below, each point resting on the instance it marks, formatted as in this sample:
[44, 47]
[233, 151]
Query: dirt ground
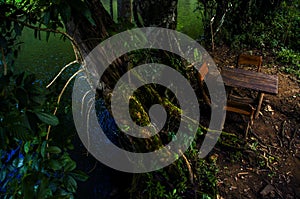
[271, 166]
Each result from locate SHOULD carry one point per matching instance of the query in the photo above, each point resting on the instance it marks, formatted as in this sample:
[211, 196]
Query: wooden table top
[235, 77]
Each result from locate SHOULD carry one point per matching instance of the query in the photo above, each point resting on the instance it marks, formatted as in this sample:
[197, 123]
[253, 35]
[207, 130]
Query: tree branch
[44, 29]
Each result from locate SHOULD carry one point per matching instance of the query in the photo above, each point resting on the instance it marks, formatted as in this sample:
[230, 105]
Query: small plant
[291, 60]
[173, 195]
[188, 177]
[32, 164]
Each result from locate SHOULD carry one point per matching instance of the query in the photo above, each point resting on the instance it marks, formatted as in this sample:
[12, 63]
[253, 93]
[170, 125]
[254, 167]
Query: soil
[269, 167]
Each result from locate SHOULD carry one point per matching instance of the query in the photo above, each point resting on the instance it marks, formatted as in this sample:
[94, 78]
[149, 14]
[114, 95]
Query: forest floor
[269, 167]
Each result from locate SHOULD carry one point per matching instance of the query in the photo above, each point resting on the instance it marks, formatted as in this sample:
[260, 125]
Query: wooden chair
[237, 105]
[232, 105]
[242, 105]
[252, 60]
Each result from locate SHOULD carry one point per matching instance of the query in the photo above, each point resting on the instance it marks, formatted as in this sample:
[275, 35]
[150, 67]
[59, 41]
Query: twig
[39, 28]
[59, 98]
[293, 138]
[189, 167]
[60, 72]
[77, 53]
[280, 142]
[88, 121]
[94, 167]
[283, 128]
[216, 131]
[242, 173]
[267, 161]
[258, 138]
[44, 29]
[212, 34]
[4, 62]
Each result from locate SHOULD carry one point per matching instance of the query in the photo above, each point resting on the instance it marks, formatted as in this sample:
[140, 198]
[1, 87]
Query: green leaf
[70, 183]
[70, 166]
[38, 99]
[2, 175]
[88, 15]
[36, 89]
[18, 162]
[47, 118]
[70, 146]
[79, 175]
[21, 132]
[43, 149]
[54, 164]
[54, 149]
[27, 147]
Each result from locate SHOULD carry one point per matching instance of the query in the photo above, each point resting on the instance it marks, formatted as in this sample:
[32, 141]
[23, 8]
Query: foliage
[291, 59]
[258, 24]
[279, 29]
[32, 166]
[49, 16]
[188, 177]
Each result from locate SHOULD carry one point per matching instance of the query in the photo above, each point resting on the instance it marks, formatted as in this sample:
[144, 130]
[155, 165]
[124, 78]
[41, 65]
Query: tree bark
[85, 34]
[124, 10]
[159, 13]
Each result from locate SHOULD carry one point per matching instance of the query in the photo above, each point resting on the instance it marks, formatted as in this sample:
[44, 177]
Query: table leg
[260, 100]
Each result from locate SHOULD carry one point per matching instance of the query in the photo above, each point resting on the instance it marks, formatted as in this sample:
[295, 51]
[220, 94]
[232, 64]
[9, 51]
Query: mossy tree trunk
[159, 13]
[87, 36]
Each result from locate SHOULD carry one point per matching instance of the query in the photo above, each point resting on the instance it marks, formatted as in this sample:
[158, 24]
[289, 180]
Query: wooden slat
[246, 100]
[203, 70]
[250, 59]
[240, 108]
[250, 79]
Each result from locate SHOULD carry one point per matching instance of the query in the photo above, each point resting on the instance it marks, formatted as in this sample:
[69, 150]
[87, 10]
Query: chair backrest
[202, 72]
[250, 60]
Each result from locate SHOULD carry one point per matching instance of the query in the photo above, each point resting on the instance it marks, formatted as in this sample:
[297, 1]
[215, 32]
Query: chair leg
[247, 129]
[260, 100]
[249, 124]
[205, 96]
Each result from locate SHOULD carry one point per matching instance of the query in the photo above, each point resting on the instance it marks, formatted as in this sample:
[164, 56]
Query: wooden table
[261, 82]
